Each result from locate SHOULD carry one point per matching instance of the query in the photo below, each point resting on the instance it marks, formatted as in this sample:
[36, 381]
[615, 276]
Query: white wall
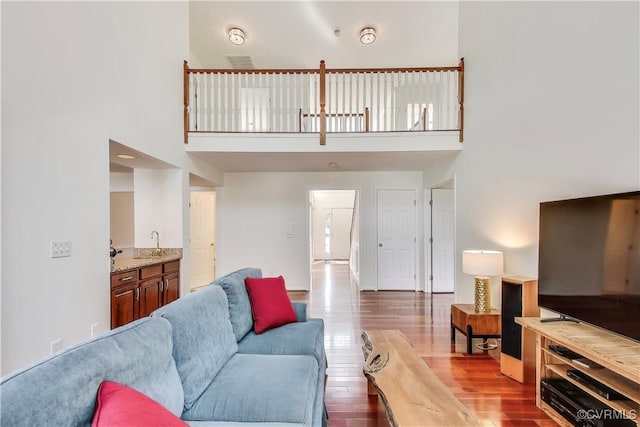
[121, 181]
[74, 75]
[255, 210]
[158, 207]
[121, 223]
[551, 112]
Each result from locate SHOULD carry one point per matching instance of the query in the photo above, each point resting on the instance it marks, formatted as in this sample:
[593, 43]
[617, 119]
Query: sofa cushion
[270, 304]
[294, 338]
[61, 390]
[301, 310]
[239, 305]
[203, 338]
[256, 388]
[119, 405]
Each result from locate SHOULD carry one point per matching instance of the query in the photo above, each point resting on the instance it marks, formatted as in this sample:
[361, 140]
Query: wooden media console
[618, 357]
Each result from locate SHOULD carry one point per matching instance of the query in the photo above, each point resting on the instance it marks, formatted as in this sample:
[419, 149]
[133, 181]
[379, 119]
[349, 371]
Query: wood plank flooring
[425, 319]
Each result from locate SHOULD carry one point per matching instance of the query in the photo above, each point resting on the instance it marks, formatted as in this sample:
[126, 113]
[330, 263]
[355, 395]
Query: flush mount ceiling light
[236, 36]
[367, 35]
[125, 156]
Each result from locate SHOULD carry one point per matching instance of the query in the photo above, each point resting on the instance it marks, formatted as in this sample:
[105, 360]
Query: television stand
[619, 370]
[562, 318]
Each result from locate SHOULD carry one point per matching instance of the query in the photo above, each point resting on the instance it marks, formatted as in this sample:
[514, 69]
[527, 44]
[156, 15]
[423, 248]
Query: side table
[474, 325]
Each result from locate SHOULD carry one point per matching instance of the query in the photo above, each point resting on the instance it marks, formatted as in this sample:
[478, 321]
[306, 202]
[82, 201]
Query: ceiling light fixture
[236, 36]
[367, 35]
[125, 156]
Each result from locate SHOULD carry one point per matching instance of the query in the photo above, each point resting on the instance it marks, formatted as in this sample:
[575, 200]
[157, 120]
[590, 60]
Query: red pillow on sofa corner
[120, 405]
[270, 304]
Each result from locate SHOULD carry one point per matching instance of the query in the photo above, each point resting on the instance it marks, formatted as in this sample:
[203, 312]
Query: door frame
[416, 254]
[428, 228]
[309, 235]
[215, 210]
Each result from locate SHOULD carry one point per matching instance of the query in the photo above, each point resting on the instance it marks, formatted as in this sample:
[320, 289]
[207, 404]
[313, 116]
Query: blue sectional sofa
[197, 356]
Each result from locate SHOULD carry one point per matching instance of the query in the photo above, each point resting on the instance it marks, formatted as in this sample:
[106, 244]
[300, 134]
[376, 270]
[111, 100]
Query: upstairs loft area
[323, 100]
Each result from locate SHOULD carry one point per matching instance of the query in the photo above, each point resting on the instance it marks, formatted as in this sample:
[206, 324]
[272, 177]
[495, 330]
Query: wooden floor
[474, 379]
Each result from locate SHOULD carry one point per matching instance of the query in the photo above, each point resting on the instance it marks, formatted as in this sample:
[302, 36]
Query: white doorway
[203, 238]
[332, 215]
[396, 239]
[334, 235]
[440, 226]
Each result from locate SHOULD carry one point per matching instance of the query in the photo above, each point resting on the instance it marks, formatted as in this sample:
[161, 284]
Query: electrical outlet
[94, 329]
[56, 345]
[60, 248]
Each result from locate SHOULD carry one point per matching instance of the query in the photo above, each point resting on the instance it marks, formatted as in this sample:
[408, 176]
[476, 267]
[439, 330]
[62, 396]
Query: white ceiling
[298, 34]
[140, 160]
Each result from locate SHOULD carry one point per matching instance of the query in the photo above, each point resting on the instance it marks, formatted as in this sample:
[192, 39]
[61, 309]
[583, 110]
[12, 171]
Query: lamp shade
[482, 263]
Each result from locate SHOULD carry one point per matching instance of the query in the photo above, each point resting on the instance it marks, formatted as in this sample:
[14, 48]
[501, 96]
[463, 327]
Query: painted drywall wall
[74, 75]
[158, 207]
[121, 222]
[121, 181]
[255, 211]
[551, 112]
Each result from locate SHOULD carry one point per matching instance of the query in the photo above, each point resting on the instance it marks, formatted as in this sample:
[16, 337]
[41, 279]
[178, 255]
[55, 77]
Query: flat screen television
[589, 261]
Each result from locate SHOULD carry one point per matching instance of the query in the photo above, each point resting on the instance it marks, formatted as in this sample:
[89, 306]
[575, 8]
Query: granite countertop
[139, 257]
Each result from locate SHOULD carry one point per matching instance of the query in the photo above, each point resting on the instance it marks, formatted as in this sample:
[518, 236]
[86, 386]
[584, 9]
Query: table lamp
[482, 264]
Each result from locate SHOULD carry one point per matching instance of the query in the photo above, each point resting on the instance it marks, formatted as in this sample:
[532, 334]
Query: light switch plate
[60, 248]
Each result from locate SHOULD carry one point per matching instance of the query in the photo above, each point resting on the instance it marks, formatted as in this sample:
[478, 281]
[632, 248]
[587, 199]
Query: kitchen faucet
[157, 251]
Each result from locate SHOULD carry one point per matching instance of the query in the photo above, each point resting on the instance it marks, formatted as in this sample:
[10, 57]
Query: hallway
[425, 320]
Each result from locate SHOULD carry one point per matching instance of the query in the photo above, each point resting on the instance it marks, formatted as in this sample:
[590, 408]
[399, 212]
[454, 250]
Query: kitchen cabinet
[137, 292]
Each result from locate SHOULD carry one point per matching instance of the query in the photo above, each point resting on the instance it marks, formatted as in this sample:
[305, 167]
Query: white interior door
[396, 239]
[203, 238]
[442, 229]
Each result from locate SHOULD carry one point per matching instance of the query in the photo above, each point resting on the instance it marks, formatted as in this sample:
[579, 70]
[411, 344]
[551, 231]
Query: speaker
[511, 308]
[517, 354]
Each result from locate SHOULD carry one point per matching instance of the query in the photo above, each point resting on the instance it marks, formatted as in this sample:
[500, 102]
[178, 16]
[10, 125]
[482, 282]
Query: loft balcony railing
[324, 100]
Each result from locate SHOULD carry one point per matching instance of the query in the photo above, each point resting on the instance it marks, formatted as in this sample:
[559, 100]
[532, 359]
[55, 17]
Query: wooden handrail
[253, 71]
[391, 70]
[315, 71]
[323, 102]
[322, 87]
[461, 99]
[328, 115]
[333, 114]
[185, 89]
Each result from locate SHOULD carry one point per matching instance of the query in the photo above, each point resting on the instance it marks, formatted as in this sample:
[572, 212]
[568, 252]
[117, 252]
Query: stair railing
[322, 100]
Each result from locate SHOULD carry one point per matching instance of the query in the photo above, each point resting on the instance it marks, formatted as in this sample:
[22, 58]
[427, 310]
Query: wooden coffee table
[412, 394]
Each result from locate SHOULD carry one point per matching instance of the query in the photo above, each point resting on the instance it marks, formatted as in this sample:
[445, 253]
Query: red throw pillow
[270, 303]
[119, 405]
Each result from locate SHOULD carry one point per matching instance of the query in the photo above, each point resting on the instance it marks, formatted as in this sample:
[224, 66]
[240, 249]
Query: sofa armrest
[301, 310]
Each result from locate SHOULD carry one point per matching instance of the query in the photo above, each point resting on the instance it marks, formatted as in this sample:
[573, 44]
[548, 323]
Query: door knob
[380, 244]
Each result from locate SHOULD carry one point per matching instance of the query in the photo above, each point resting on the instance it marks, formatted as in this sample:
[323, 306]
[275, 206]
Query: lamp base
[482, 290]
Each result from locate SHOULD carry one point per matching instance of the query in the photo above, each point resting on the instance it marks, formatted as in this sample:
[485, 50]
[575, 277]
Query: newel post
[185, 70]
[461, 98]
[323, 113]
